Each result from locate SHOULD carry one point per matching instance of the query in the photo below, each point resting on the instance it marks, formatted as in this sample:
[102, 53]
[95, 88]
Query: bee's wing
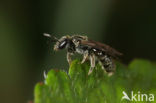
[109, 50]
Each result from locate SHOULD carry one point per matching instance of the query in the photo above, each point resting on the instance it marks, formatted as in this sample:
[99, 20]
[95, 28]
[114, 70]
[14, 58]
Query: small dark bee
[92, 50]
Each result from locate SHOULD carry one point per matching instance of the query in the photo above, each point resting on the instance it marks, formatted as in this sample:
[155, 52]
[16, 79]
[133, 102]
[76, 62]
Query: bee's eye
[62, 44]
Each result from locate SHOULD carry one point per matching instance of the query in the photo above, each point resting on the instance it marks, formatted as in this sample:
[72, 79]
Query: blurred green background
[129, 26]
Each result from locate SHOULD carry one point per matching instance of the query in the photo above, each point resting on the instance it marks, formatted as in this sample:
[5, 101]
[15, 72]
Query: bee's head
[62, 43]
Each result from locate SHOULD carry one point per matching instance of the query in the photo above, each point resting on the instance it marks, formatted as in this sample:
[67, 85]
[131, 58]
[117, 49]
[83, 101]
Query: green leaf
[77, 86]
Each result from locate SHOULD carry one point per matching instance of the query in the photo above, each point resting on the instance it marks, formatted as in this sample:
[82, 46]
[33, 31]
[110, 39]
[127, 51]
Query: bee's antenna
[47, 35]
[50, 36]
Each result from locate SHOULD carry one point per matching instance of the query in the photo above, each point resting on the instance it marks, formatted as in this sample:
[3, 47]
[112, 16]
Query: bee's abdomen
[105, 59]
[107, 63]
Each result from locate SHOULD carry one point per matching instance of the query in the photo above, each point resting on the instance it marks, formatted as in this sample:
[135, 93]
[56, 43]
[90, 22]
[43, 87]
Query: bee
[92, 50]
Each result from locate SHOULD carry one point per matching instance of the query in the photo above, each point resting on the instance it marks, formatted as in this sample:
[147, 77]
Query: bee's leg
[69, 59]
[101, 65]
[85, 56]
[92, 62]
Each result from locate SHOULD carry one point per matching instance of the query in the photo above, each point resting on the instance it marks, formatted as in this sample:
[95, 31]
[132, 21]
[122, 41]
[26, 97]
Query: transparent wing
[106, 48]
